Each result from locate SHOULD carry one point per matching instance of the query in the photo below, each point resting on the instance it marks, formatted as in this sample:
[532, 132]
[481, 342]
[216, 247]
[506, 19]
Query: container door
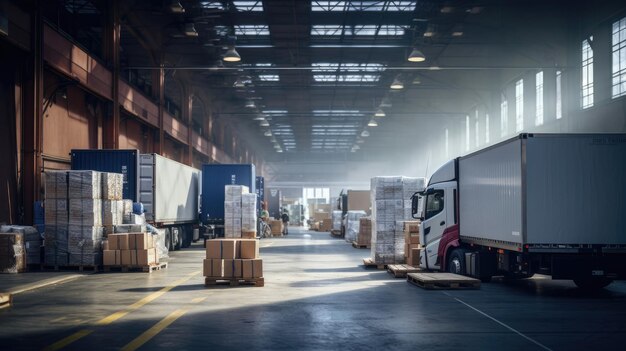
[146, 184]
[434, 224]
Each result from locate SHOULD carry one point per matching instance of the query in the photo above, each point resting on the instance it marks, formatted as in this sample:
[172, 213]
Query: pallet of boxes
[336, 217]
[234, 260]
[353, 219]
[20, 248]
[364, 235]
[391, 207]
[130, 252]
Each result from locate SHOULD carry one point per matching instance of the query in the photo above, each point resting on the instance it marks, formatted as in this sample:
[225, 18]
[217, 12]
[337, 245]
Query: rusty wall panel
[135, 135]
[8, 145]
[173, 150]
[137, 104]
[19, 26]
[174, 128]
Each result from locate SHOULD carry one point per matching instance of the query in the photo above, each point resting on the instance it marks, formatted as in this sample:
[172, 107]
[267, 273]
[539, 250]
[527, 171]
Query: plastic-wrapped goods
[353, 219]
[234, 192]
[391, 206]
[56, 245]
[248, 212]
[84, 185]
[127, 211]
[129, 228]
[55, 184]
[85, 245]
[112, 186]
[364, 236]
[32, 241]
[85, 212]
[159, 243]
[12, 251]
[56, 211]
[112, 212]
[336, 217]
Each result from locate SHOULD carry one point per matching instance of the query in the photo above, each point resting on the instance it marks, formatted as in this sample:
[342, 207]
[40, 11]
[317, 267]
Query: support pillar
[111, 128]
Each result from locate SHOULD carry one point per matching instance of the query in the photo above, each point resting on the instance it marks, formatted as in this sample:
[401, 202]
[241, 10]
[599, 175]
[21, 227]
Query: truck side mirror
[415, 206]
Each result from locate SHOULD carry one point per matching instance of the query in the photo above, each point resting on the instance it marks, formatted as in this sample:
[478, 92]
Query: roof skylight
[337, 30]
[363, 5]
[249, 6]
[252, 30]
[269, 77]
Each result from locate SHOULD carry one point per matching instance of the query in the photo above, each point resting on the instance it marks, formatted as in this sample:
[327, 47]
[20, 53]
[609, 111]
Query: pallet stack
[277, 227]
[391, 206]
[412, 244]
[336, 217]
[240, 217]
[353, 224]
[12, 253]
[32, 242]
[131, 250]
[233, 261]
[364, 236]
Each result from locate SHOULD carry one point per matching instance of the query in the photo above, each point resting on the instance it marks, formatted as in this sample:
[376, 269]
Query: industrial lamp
[397, 84]
[190, 30]
[372, 123]
[232, 55]
[268, 133]
[365, 134]
[379, 113]
[176, 7]
[250, 104]
[264, 123]
[416, 56]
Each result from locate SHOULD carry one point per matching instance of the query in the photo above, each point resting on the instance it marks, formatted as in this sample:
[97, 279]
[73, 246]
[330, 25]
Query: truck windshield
[434, 204]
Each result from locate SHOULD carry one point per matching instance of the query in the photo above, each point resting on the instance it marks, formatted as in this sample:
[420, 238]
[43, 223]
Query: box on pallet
[326, 225]
[213, 267]
[112, 257]
[32, 241]
[232, 268]
[118, 242]
[364, 237]
[221, 248]
[12, 253]
[277, 226]
[336, 217]
[353, 223]
[252, 268]
[140, 258]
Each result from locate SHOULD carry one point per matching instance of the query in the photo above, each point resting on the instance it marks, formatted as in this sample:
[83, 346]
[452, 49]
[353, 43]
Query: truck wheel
[592, 283]
[177, 238]
[168, 239]
[456, 261]
[187, 236]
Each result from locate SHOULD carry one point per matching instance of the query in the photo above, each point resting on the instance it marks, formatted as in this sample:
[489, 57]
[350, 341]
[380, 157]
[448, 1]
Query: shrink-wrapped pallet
[112, 212]
[248, 212]
[56, 245]
[84, 185]
[364, 236]
[112, 186]
[353, 223]
[32, 241]
[56, 184]
[85, 212]
[129, 228]
[56, 212]
[84, 245]
[234, 192]
[12, 253]
[127, 211]
[336, 217]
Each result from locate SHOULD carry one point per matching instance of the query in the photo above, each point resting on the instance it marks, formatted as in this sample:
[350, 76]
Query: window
[519, 105]
[434, 204]
[467, 133]
[539, 98]
[587, 74]
[504, 116]
[476, 130]
[487, 137]
[619, 58]
[447, 144]
[559, 102]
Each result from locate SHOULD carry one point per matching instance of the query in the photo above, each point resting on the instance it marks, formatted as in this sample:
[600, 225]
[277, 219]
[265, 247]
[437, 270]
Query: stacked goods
[412, 245]
[112, 186]
[391, 206]
[248, 216]
[315, 226]
[85, 232]
[129, 228]
[232, 259]
[352, 228]
[326, 225]
[32, 241]
[112, 214]
[131, 250]
[232, 209]
[364, 237]
[127, 210]
[56, 216]
[336, 220]
[320, 216]
[12, 253]
[277, 227]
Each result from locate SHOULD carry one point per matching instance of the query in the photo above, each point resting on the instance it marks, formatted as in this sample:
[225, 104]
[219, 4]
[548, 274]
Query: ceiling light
[259, 118]
[397, 84]
[457, 30]
[250, 104]
[379, 113]
[386, 102]
[279, 150]
[176, 7]
[447, 9]
[232, 55]
[365, 134]
[190, 30]
[416, 56]
[268, 133]
[372, 123]
[264, 123]
[430, 31]
[273, 139]
[360, 141]
[239, 83]
[416, 80]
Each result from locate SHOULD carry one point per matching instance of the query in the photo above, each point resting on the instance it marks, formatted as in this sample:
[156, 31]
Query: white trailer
[538, 203]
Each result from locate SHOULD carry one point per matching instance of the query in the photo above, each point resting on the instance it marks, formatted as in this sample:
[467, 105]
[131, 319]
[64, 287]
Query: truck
[550, 204]
[352, 200]
[274, 202]
[168, 190]
[214, 179]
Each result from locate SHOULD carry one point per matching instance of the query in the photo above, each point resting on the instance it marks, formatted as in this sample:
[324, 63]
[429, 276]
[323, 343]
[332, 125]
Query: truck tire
[592, 283]
[177, 238]
[168, 239]
[456, 262]
[187, 236]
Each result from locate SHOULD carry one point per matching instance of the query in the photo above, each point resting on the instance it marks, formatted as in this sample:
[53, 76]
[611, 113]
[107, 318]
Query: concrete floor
[317, 296]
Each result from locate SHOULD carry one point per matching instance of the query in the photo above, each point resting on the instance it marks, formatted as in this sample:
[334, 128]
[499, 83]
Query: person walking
[285, 218]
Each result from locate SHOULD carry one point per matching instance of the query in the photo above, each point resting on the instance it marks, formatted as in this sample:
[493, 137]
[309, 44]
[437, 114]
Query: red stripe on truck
[450, 238]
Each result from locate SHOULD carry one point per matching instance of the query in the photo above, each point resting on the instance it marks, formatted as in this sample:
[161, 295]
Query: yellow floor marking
[156, 329]
[119, 314]
[70, 339]
[198, 299]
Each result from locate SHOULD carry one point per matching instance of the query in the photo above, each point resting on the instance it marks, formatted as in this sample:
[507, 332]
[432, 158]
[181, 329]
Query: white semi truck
[550, 204]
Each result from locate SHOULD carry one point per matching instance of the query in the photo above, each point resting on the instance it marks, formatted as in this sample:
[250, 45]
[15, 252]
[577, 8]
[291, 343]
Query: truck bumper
[585, 266]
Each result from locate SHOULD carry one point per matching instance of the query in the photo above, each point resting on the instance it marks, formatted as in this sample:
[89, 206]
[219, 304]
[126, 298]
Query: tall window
[504, 116]
[539, 99]
[467, 133]
[619, 58]
[476, 130]
[487, 138]
[519, 105]
[587, 74]
[447, 144]
[559, 102]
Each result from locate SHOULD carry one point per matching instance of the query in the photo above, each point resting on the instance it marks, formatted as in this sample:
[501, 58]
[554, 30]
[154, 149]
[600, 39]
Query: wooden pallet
[84, 268]
[368, 262]
[6, 300]
[146, 269]
[212, 281]
[442, 281]
[401, 270]
[359, 246]
[335, 233]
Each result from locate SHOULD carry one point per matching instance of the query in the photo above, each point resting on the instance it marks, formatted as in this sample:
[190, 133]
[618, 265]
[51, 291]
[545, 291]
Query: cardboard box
[129, 258]
[118, 242]
[147, 257]
[249, 249]
[140, 241]
[359, 200]
[248, 234]
[221, 248]
[412, 227]
[105, 245]
[252, 268]
[414, 256]
[277, 227]
[326, 225]
[412, 238]
[232, 269]
[320, 216]
[213, 268]
[112, 257]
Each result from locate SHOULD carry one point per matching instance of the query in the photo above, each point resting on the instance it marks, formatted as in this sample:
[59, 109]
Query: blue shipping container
[113, 161]
[214, 178]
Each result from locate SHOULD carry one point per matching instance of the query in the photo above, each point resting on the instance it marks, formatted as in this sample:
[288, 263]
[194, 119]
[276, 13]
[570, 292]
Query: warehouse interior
[319, 98]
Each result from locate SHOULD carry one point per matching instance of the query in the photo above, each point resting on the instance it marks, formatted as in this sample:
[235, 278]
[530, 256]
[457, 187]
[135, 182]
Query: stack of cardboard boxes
[277, 227]
[412, 245]
[232, 259]
[240, 217]
[130, 250]
[364, 237]
[32, 241]
[12, 253]
[353, 224]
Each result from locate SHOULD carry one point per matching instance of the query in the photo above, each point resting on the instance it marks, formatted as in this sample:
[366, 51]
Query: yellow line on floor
[119, 314]
[157, 328]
